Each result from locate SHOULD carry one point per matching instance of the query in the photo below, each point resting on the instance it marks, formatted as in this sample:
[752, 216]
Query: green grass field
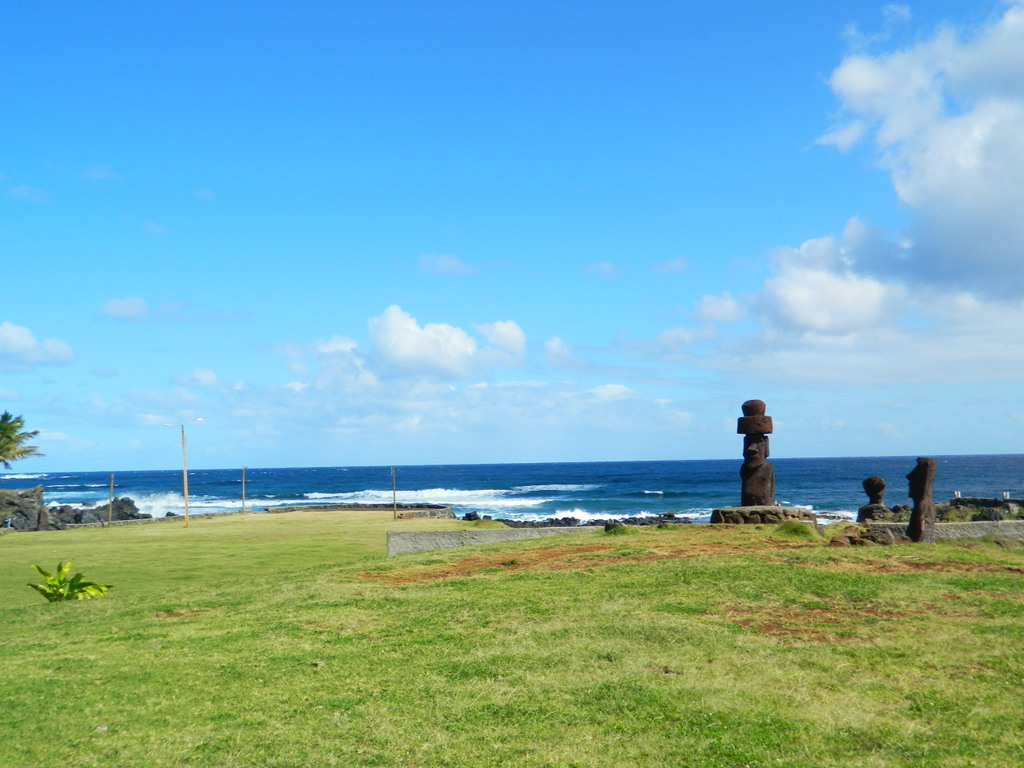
[290, 641]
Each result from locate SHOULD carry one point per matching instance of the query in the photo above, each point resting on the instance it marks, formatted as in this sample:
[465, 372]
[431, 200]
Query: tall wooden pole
[394, 494]
[110, 506]
[184, 473]
[243, 490]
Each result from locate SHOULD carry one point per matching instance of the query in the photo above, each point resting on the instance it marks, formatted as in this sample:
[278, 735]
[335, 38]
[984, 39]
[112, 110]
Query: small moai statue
[874, 487]
[757, 474]
[922, 518]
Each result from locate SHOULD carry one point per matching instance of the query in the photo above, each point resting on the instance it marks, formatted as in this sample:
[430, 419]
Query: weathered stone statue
[874, 487]
[875, 509]
[757, 473]
[922, 519]
[757, 496]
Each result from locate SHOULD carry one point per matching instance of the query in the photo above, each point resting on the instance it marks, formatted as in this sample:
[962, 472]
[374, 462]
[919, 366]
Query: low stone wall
[142, 520]
[404, 542]
[404, 511]
[1001, 529]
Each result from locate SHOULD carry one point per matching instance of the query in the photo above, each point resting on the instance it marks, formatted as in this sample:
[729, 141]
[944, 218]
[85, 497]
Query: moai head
[754, 426]
[874, 487]
[755, 450]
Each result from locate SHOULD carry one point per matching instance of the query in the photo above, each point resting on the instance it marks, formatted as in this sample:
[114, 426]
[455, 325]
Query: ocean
[585, 490]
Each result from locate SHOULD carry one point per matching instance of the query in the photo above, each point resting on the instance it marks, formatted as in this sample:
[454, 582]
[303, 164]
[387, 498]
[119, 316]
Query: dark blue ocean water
[533, 491]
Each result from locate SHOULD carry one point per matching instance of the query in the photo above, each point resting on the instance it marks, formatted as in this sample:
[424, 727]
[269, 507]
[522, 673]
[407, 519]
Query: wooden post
[184, 473]
[110, 505]
[243, 490]
[394, 494]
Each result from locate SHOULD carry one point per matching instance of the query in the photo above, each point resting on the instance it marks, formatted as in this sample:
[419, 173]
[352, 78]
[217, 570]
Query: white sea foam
[554, 487]
[23, 477]
[656, 493]
[159, 504]
[584, 515]
[447, 496]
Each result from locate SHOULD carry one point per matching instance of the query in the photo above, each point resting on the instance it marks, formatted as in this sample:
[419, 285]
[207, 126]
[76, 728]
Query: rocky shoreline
[26, 512]
[573, 522]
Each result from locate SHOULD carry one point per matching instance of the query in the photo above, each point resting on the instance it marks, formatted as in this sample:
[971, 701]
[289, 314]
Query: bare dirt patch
[821, 625]
[566, 557]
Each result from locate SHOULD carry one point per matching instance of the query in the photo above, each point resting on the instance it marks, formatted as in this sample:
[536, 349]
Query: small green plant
[794, 529]
[618, 529]
[59, 587]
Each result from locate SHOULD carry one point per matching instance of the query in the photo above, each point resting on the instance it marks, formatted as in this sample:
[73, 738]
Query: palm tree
[12, 440]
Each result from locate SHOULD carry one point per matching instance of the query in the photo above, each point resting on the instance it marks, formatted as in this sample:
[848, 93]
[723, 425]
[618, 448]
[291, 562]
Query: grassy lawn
[290, 641]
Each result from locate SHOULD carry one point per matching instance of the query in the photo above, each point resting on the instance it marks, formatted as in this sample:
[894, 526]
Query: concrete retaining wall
[1002, 529]
[403, 542]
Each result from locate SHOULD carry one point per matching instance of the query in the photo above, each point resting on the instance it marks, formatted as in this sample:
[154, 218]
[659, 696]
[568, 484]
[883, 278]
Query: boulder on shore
[25, 509]
[123, 509]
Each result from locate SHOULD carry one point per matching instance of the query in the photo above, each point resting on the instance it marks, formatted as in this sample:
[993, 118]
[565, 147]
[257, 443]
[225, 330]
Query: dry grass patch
[581, 556]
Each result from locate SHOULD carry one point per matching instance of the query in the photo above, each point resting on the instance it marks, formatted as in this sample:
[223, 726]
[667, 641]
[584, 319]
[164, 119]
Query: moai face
[921, 478]
[755, 450]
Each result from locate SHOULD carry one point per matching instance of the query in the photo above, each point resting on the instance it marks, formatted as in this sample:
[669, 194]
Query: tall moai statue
[922, 519]
[758, 475]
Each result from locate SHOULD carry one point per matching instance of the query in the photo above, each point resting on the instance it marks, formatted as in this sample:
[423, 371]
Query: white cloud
[720, 309]
[603, 269]
[560, 354]
[334, 345]
[608, 392]
[19, 348]
[129, 308]
[136, 309]
[946, 116]
[896, 14]
[956, 340]
[30, 194]
[433, 349]
[820, 301]
[342, 366]
[446, 265]
[200, 377]
[506, 335]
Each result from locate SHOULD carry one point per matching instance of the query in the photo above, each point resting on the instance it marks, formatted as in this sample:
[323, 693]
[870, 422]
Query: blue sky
[419, 233]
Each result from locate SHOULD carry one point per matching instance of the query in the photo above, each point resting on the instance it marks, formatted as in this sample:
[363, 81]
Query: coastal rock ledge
[762, 515]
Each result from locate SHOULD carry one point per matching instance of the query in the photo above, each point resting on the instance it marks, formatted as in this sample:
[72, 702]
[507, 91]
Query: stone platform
[761, 515]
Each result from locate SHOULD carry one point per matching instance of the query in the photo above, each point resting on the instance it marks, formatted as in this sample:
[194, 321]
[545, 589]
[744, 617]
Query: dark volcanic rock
[123, 509]
[24, 508]
[858, 536]
[877, 512]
